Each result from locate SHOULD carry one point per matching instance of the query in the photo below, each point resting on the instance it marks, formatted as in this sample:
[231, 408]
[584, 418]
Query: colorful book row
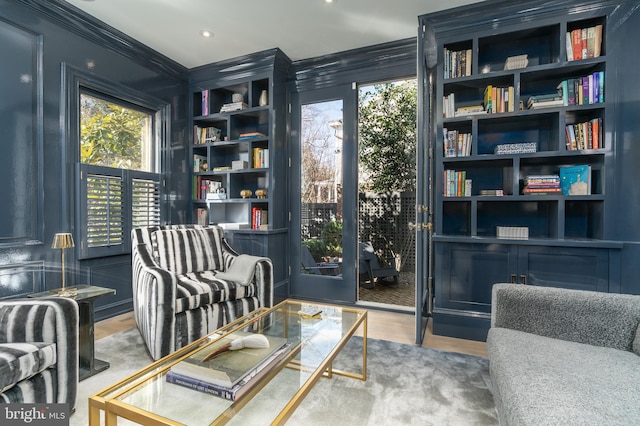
[259, 219]
[456, 184]
[202, 135]
[456, 144]
[457, 63]
[260, 158]
[584, 90]
[584, 43]
[585, 135]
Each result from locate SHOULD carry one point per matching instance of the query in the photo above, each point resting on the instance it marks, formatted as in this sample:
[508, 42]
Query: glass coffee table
[146, 397]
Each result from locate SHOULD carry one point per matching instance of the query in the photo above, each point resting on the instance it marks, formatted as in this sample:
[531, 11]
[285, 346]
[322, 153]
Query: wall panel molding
[21, 279]
[21, 121]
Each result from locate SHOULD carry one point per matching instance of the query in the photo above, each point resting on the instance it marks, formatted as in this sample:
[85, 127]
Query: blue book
[576, 180]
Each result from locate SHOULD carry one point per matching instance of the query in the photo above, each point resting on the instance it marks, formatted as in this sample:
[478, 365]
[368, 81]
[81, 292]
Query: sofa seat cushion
[20, 361]
[539, 380]
[187, 250]
[197, 289]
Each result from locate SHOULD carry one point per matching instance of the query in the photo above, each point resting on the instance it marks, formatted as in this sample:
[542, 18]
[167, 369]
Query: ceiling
[300, 28]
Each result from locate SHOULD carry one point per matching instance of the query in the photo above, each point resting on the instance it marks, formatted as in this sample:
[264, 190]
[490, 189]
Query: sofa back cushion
[187, 250]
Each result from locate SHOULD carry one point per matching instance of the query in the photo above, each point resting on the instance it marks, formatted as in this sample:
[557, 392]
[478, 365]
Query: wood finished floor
[383, 325]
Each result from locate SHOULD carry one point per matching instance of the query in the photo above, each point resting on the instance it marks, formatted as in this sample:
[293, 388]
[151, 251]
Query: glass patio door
[323, 194]
[424, 181]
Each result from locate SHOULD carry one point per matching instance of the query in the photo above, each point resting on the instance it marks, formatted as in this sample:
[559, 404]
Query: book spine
[200, 386]
[576, 36]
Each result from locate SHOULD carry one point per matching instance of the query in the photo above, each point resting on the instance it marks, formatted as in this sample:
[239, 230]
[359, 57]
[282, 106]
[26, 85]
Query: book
[238, 390]
[309, 311]
[576, 180]
[205, 102]
[569, 46]
[228, 368]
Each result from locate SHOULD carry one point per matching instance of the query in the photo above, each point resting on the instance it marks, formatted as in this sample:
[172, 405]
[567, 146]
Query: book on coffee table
[228, 368]
[240, 388]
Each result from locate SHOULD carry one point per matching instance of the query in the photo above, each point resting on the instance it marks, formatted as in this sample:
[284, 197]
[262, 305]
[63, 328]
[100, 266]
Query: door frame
[334, 289]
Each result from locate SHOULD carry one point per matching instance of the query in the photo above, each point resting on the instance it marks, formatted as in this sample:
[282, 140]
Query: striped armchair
[178, 296]
[39, 351]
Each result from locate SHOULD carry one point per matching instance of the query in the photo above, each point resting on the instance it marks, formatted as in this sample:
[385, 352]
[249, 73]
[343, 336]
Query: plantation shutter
[145, 202]
[105, 217]
[111, 203]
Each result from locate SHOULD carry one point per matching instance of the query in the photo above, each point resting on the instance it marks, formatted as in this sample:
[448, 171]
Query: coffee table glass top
[315, 342]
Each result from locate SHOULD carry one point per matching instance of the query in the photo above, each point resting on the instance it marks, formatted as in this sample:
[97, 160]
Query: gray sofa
[564, 357]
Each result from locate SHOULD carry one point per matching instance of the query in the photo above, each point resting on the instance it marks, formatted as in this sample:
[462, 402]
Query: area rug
[406, 385]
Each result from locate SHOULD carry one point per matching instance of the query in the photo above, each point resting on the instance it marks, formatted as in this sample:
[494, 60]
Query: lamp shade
[62, 240]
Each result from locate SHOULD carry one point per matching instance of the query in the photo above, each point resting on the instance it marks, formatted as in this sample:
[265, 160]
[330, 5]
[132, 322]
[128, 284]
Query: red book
[576, 38]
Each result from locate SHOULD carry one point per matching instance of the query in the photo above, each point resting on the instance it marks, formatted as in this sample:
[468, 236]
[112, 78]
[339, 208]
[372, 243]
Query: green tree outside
[112, 135]
[387, 136]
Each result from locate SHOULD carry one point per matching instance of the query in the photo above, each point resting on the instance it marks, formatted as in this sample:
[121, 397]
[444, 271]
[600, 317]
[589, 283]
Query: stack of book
[542, 185]
[548, 100]
[251, 135]
[233, 106]
[230, 374]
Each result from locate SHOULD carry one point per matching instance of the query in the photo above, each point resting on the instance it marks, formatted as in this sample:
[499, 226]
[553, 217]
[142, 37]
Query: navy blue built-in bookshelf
[532, 107]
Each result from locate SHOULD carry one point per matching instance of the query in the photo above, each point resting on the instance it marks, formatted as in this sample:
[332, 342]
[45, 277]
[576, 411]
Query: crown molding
[75, 20]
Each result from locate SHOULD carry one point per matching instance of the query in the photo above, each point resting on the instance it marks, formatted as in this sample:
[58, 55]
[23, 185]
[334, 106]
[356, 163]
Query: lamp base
[65, 292]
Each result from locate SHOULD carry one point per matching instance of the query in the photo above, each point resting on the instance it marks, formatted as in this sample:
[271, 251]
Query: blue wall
[37, 163]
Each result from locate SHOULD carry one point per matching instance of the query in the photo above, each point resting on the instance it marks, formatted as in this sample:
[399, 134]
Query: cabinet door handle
[513, 278]
[523, 279]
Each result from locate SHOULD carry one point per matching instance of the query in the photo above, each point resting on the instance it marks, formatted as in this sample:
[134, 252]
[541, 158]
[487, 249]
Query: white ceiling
[301, 28]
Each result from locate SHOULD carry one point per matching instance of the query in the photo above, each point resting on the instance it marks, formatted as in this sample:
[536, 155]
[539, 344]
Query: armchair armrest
[595, 318]
[51, 320]
[153, 286]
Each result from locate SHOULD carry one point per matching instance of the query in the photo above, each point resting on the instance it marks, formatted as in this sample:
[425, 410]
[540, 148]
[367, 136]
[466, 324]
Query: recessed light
[206, 34]
[328, 1]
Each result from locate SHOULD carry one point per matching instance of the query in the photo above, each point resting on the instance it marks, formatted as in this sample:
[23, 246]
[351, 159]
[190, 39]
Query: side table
[86, 296]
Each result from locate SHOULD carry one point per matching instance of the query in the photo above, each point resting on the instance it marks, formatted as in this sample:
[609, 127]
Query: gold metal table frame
[146, 398]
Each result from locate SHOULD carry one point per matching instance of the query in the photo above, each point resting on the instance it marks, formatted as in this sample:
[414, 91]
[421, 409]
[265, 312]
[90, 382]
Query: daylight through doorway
[386, 193]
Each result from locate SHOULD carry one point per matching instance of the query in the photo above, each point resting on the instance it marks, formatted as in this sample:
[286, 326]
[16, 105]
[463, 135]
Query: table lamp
[63, 240]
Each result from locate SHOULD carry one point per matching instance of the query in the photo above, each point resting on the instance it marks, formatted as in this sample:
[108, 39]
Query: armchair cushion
[187, 250]
[197, 289]
[20, 361]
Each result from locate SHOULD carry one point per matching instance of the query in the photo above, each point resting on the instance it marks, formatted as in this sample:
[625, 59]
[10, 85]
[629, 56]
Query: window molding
[75, 81]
